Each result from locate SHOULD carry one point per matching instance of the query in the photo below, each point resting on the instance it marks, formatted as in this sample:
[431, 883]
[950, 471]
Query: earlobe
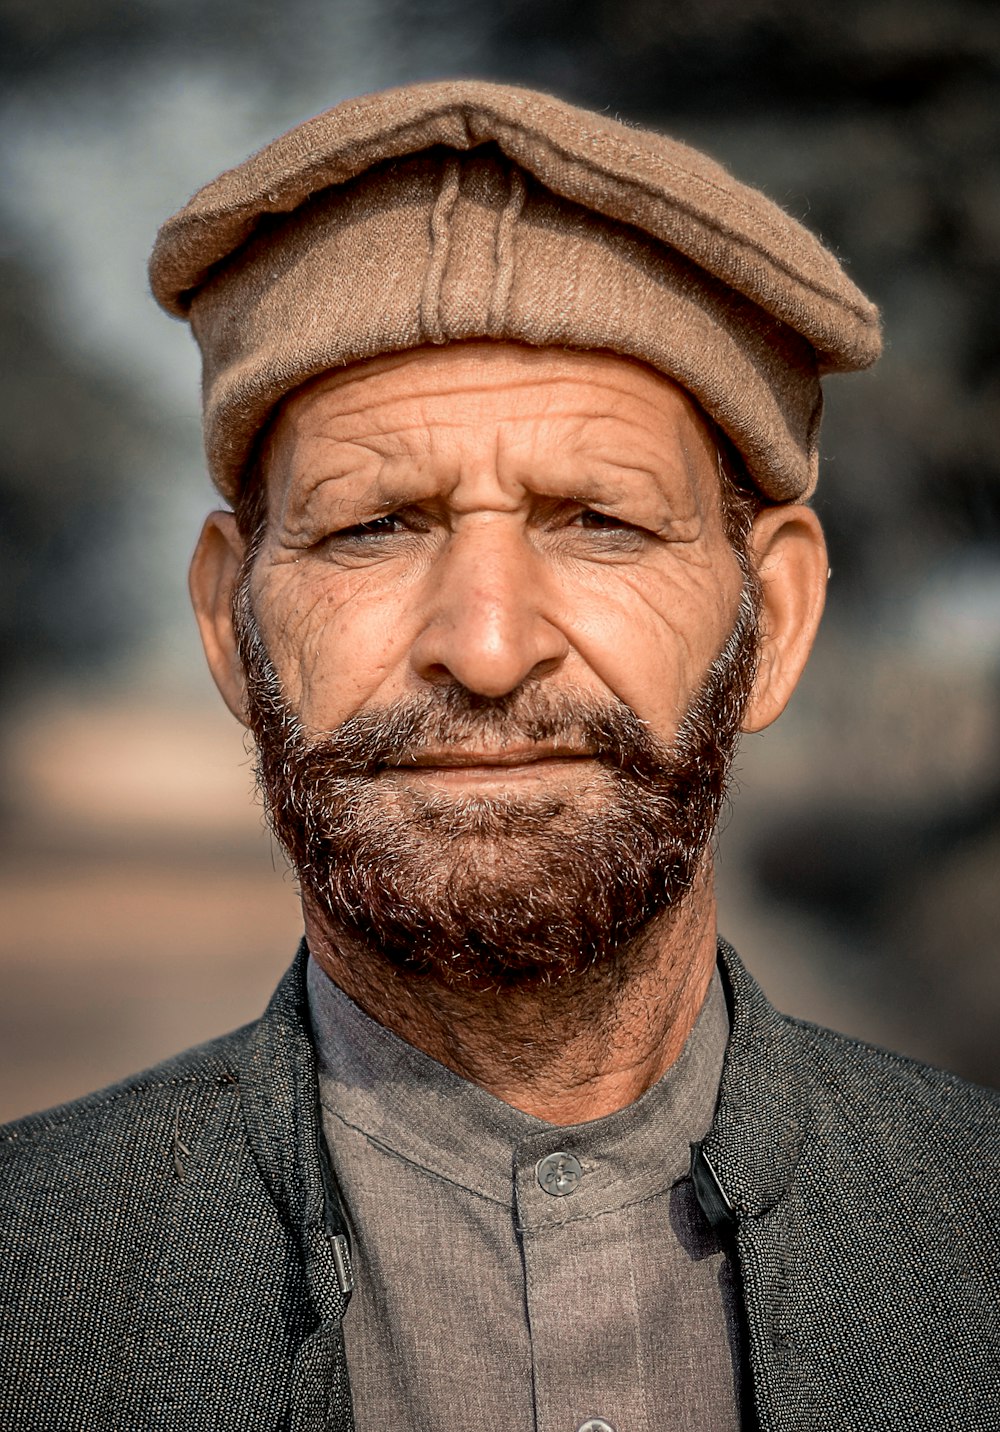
[789, 552]
[214, 572]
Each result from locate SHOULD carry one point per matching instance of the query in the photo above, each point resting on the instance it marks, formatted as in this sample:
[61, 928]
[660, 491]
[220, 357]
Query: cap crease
[444, 207]
[504, 249]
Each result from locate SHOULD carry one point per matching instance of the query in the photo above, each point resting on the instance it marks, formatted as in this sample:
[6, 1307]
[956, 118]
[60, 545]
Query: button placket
[578, 1303]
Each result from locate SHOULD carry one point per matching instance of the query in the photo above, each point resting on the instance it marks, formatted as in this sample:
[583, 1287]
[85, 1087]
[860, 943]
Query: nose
[486, 626]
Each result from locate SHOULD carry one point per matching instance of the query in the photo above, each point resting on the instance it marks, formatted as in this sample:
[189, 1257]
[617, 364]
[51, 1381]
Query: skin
[489, 514]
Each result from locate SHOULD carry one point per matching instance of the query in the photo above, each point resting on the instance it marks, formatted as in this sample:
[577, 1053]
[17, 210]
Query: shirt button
[595, 1424]
[560, 1174]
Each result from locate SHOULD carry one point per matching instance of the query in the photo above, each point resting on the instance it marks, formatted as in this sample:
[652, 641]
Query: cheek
[650, 634]
[337, 643]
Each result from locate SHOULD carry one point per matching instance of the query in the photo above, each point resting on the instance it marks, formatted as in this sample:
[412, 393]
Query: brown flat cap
[461, 209]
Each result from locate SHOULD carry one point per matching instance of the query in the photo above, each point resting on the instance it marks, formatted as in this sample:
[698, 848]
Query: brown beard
[497, 891]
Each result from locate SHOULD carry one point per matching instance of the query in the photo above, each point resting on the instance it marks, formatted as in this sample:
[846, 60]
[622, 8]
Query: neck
[567, 1053]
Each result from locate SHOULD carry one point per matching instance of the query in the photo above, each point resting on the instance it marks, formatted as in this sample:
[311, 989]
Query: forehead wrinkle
[433, 383]
[565, 463]
[367, 406]
[433, 388]
[616, 439]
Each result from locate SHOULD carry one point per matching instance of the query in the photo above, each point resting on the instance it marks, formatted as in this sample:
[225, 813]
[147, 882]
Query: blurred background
[142, 905]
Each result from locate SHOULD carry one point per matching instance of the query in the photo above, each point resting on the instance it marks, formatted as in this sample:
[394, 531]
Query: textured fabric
[461, 210]
[166, 1256]
[614, 1299]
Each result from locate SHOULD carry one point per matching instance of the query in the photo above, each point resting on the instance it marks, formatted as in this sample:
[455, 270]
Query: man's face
[497, 647]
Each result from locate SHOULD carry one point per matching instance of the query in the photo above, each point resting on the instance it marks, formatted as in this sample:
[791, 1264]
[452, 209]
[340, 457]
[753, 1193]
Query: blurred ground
[141, 908]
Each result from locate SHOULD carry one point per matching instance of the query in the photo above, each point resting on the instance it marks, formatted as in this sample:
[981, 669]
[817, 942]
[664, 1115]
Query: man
[517, 411]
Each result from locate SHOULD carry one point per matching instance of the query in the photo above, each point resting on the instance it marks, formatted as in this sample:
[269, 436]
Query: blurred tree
[72, 440]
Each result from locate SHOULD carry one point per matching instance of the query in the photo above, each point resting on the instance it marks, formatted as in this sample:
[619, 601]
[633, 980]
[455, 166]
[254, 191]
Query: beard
[498, 891]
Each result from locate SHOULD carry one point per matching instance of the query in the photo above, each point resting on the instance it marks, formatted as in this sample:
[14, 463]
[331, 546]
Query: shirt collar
[414, 1107]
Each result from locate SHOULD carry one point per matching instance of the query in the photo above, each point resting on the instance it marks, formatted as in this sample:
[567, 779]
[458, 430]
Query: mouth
[535, 760]
[509, 756]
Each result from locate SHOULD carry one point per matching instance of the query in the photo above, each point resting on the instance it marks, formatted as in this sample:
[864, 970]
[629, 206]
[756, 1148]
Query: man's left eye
[601, 521]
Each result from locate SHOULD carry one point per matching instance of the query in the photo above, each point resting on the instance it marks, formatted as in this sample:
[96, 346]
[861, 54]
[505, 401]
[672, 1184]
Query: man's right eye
[386, 526]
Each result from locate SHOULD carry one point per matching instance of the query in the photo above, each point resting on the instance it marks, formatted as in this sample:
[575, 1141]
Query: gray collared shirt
[518, 1275]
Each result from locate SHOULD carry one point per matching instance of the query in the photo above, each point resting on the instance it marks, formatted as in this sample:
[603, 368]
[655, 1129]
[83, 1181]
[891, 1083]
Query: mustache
[379, 738]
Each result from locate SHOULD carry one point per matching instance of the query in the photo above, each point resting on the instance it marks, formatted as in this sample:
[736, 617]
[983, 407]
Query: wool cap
[462, 209]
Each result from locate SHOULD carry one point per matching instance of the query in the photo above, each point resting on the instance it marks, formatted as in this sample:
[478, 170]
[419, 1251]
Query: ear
[215, 569]
[789, 551]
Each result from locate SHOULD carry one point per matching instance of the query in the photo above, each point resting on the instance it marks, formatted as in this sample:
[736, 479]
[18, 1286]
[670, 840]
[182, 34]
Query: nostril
[546, 666]
[437, 674]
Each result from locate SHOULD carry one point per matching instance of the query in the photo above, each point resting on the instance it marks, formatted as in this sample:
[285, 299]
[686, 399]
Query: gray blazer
[172, 1252]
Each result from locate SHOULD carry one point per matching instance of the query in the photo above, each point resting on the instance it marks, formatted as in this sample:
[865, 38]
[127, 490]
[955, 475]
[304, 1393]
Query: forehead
[465, 372]
[544, 418]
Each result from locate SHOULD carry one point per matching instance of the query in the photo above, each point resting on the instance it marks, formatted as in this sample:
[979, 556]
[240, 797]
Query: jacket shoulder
[127, 1105]
[94, 1178]
[914, 1150]
[867, 1068]
[795, 1095]
[900, 1152]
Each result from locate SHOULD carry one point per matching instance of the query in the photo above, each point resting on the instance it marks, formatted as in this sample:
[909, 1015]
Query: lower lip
[526, 772]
